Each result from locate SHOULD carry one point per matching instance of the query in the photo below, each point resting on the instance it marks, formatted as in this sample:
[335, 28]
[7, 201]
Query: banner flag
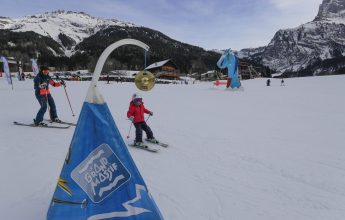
[6, 70]
[99, 179]
[230, 61]
[35, 69]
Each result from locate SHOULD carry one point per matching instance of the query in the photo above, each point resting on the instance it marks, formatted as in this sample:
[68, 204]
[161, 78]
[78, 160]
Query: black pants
[139, 127]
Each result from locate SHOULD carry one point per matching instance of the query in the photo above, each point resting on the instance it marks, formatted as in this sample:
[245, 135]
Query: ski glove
[62, 82]
[151, 113]
[43, 85]
[131, 118]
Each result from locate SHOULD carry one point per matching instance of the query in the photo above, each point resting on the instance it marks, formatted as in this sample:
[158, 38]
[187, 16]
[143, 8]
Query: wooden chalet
[211, 75]
[165, 69]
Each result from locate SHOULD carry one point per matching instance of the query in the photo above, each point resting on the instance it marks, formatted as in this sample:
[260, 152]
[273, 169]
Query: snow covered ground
[265, 153]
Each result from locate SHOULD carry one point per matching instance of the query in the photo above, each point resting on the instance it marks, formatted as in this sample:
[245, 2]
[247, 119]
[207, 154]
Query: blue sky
[211, 24]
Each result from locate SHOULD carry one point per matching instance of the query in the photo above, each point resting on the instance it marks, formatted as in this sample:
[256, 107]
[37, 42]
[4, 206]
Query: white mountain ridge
[76, 25]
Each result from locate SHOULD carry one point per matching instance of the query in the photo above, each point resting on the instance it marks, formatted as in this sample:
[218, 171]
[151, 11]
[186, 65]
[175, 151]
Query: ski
[157, 142]
[33, 125]
[145, 147]
[62, 122]
[67, 123]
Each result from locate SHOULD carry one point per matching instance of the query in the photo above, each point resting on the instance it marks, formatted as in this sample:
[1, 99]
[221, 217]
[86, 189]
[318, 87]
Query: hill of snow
[266, 153]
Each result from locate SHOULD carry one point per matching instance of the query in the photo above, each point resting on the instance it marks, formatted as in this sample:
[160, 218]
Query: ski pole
[148, 118]
[129, 132]
[50, 115]
[64, 86]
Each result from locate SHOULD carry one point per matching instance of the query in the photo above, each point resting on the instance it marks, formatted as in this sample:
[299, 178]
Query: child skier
[42, 93]
[135, 114]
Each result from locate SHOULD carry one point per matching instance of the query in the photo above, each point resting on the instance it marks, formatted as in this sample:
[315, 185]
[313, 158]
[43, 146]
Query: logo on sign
[101, 173]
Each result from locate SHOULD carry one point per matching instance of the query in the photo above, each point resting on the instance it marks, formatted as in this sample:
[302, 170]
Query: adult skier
[42, 93]
[268, 82]
[135, 114]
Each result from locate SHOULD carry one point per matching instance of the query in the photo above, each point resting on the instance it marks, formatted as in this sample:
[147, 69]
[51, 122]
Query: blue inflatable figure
[230, 61]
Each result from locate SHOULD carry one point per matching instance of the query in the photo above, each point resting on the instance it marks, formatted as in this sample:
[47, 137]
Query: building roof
[157, 64]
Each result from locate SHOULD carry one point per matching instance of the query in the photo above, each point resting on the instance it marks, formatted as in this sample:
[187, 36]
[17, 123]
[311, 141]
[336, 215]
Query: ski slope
[265, 153]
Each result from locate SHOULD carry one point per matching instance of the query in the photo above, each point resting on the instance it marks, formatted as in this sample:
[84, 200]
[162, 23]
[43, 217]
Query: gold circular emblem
[144, 80]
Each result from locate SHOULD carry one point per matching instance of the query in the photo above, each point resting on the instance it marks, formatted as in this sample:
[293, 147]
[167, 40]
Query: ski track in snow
[264, 153]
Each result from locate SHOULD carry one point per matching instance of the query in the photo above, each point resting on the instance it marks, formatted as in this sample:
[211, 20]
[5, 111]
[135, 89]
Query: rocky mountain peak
[330, 9]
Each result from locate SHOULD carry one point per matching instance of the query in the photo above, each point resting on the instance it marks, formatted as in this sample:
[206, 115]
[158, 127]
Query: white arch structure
[93, 95]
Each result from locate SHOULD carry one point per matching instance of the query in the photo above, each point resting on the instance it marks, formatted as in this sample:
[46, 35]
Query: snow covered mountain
[332, 10]
[65, 27]
[4, 21]
[296, 50]
[70, 40]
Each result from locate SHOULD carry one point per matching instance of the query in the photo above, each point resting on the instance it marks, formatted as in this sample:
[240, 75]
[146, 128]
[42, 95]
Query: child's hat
[136, 96]
[44, 68]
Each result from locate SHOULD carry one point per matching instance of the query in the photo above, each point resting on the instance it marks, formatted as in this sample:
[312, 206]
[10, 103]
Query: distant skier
[268, 82]
[108, 79]
[282, 83]
[42, 93]
[135, 114]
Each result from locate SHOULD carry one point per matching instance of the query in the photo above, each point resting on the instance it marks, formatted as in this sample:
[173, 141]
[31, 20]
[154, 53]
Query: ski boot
[57, 120]
[138, 144]
[152, 140]
[39, 123]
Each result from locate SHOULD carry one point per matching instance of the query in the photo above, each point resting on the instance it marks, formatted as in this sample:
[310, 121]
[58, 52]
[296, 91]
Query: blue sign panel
[100, 173]
[99, 179]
